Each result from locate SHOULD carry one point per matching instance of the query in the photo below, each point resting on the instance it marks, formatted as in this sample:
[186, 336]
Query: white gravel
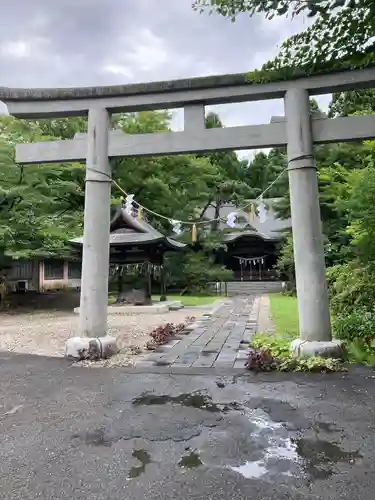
[46, 334]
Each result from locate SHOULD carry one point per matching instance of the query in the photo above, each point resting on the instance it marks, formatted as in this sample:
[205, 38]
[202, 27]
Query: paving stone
[239, 364]
[172, 343]
[223, 364]
[205, 361]
[242, 355]
[224, 359]
[220, 340]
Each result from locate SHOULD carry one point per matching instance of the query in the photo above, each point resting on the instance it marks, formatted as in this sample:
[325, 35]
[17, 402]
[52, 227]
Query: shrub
[351, 287]
[352, 291]
[278, 347]
[358, 330]
[162, 334]
[273, 353]
[359, 324]
[260, 361]
[313, 364]
[192, 271]
[285, 269]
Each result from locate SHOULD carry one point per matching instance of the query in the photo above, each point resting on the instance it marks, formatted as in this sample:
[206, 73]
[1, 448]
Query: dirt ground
[45, 333]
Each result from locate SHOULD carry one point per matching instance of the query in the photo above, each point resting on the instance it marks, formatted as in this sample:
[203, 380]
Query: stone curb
[218, 304]
[254, 313]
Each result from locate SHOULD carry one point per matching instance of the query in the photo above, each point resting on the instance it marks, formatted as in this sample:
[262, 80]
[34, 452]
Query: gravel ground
[46, 334]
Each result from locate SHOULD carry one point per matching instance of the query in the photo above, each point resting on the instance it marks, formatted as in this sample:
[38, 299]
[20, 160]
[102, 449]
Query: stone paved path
[219, 341]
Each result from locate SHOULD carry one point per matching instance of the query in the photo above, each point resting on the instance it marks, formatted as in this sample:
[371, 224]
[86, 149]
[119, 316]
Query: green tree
[361, 209]
[230, 183]
[34, 221]
[352, 102]
[341, 34]
[264, 168]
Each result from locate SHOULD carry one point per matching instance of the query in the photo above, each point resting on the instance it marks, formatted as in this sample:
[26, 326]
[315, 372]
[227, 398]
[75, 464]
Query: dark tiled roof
[128, 231]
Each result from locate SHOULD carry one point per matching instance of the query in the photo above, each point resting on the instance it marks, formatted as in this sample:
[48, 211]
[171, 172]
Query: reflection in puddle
[251, 469]
[144, 457]
[313, 458]
[279, 447]
[190, 461]
[281, 455]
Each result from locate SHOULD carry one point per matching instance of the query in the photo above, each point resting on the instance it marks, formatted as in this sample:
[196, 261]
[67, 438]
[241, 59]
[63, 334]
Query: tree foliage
[36, 208]
[41, 206]
[341, 33]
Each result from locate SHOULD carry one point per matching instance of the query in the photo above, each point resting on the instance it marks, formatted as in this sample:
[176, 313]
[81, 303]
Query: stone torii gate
[298, 131]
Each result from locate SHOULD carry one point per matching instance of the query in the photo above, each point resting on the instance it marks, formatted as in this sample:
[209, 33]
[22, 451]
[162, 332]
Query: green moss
[270, 74]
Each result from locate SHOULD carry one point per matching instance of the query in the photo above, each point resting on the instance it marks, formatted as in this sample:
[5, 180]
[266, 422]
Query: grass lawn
[187, 300]
[284, 311]
[190, 300]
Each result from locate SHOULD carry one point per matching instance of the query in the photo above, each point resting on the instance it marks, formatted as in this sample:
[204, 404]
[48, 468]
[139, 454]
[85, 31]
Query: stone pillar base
[306, 349]
[91, 348]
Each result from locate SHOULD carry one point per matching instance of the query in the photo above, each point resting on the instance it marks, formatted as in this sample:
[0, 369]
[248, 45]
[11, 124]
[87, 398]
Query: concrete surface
[105, 434]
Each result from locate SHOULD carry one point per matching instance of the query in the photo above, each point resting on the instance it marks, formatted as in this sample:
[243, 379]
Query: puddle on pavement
[312, 458]
[190, 461]
[193, 400]
[144, 457]
[279, 449]
[250, 470]
[319, 457]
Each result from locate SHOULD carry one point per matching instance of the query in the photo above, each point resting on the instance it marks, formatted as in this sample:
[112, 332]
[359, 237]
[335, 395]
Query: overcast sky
[57, 43]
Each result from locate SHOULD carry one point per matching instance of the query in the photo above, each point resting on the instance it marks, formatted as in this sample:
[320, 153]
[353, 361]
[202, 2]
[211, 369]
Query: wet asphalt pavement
[70, 432]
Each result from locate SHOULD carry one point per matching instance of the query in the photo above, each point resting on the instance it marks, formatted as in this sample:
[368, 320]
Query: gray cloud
[47, 43]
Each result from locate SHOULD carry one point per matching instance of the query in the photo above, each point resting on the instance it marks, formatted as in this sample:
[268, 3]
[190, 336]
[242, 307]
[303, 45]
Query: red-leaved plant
[260, 361]
[162, 334]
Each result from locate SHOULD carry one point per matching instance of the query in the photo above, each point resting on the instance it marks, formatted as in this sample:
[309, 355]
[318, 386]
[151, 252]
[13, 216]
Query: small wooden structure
[134, 241]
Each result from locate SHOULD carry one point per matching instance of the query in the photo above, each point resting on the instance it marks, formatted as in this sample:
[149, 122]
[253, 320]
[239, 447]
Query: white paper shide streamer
[129, 204]
[231, 219]
[176, 226]
[262, 212]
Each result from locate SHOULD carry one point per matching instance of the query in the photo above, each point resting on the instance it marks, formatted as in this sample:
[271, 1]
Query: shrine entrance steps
[234, 288]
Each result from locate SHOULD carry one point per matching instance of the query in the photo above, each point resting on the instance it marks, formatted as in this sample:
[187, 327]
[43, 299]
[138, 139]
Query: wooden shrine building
[134, 241]
[251, 248]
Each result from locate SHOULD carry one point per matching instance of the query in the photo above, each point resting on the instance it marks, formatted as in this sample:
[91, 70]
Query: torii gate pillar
[95, 262]
[313, 304]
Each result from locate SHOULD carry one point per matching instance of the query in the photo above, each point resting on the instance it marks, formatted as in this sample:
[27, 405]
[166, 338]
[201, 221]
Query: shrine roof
[272, 229]
[236, 235]
[126, 230]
